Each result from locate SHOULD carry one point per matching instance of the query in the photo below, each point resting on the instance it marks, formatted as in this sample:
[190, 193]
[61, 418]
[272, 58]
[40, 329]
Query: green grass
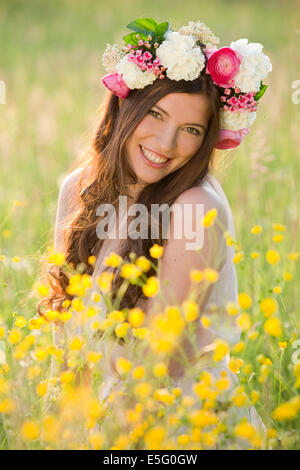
[50, 60]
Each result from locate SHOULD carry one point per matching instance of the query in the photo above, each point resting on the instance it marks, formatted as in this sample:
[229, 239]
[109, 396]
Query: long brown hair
[109, 171]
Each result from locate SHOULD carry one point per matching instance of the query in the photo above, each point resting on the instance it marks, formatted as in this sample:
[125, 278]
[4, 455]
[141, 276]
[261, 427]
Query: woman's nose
[168, 140]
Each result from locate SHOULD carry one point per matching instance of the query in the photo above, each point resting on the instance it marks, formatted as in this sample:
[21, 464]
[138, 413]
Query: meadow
[51, 65]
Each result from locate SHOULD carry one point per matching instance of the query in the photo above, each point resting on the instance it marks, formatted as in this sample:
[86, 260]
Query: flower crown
[155, 51]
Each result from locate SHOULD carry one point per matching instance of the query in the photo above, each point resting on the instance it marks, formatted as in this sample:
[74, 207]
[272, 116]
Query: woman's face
[168, 136]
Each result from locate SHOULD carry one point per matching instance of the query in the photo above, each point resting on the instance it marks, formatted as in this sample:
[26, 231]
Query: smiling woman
[117, 167]
[164, 138]
[154, 146]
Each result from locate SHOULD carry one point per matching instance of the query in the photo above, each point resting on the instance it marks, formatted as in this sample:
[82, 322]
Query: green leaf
[131, 38]
[161, 29]
[261, 91]
[143, 25]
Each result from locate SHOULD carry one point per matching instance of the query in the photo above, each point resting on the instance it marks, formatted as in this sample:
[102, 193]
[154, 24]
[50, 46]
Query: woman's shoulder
[70, 182]
[204, 194]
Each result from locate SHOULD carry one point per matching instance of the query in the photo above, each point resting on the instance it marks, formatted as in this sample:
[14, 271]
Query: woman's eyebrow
[187, 123]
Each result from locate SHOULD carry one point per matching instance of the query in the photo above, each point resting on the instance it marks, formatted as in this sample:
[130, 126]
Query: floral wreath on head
[154, 50]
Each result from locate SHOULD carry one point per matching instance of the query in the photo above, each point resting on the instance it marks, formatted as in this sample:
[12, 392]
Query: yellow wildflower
[156, 251]
[277, 290]
[121, 329]
[143, 263]
[76, 343]
[105, 280]
[163, 394]
[67, 377]
[255, 254]
[211, 275]
[93, 356]
[272, 256]
[256, 229]
[92, 260]
[209, 217]
[151, 287]
[113, 260]
[7, 405]
[206, 322]
[232, 308]
[196, 275]
[221, 349]
[253, 335]
[278, 227]
[268, 306]
[123, 365]
[130, 271]
[255, 394]
[287, 411]
[287, 276]
[96, 440]
[239, 347]
[244, 321]
[30, 430]
[293, 256]
[202, 418]
[273, 327]
[41, 388]
[142, 390]
[191, 310]
[56, 258]
[235, 364]
[136, 317]
[238, 257]
[138, 373]
[160, 370]
[245, 300]
[14, 336]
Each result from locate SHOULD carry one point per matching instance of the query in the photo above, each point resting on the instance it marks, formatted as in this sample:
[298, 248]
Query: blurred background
[50, 62]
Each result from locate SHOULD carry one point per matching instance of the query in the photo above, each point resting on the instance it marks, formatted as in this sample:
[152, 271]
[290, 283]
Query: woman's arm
[68, 198]
[177, 262]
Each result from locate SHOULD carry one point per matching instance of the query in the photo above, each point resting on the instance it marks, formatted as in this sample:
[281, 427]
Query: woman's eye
[194, 129]
[152, 111]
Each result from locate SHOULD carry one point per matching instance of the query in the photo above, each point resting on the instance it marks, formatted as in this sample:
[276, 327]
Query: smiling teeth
[151, 157]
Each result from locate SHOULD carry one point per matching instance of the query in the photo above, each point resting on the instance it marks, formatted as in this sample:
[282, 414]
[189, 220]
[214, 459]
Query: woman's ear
[121, 101]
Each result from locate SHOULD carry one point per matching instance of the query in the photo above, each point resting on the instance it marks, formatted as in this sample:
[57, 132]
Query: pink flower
[114, 82]
[147, 55]
[229, 139]
[223, 65]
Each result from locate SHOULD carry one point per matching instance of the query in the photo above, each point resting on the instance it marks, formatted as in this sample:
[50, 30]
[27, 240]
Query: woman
[156, 145]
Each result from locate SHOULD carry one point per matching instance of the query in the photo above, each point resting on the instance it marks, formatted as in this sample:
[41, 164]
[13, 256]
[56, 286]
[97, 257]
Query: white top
[223, 291]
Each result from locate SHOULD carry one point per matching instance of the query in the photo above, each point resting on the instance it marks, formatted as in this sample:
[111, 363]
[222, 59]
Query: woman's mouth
[151, 159]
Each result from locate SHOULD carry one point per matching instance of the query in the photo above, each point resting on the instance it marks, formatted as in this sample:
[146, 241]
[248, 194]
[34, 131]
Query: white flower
[254, 67]
[178, 54]
[238, 120]
[133, 76]
[111, 56]
[201, 32]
